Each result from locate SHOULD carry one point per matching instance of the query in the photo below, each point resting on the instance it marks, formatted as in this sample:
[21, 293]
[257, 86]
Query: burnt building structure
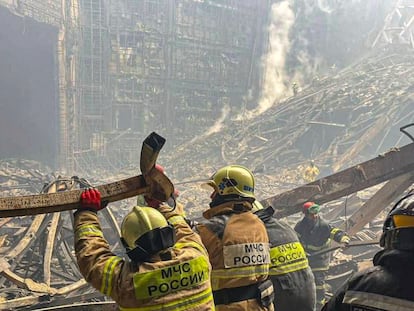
[124, 68]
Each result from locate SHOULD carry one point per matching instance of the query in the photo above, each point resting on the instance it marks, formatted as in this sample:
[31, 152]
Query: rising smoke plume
[216, 127]
[276, 84]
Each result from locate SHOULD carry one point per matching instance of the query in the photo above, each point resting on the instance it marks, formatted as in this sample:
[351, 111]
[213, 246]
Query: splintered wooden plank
[67, 200]
[392, 164]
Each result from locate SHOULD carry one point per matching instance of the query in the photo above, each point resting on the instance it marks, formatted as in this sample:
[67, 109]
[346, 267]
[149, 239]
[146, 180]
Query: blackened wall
[28, 97]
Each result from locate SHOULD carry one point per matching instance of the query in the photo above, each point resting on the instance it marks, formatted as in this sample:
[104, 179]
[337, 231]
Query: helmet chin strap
[151, 243]
[220, 199]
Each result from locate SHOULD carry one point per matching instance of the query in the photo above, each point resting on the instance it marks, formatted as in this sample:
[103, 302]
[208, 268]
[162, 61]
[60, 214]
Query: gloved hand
[152, 202]
[91, 200]
[345, 240]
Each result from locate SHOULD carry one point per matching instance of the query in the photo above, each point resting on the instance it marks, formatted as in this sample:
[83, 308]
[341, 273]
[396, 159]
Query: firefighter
[293, 281]
[387, 285]
[316, 235]
[168, 267]
[295, 88]
[311, 172]
[237, 243]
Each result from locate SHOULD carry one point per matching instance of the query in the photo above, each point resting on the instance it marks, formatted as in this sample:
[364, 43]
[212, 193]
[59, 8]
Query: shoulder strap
[217, 224]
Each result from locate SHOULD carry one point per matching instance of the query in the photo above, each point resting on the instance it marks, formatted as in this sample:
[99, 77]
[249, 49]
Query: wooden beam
[361, 143]
[150, 182]
[67, 200]
[383, 198]
[392, 164]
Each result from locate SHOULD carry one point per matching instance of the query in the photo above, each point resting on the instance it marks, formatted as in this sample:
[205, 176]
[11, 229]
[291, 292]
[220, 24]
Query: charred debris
[348, 123]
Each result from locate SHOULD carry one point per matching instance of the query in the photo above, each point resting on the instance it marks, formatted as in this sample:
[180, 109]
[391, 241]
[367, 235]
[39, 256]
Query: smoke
[326, 6]
[217, 126]
[276, 83]
[329, 6]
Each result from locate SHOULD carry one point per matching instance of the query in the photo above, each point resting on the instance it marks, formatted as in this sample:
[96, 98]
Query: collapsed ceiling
[343, 117]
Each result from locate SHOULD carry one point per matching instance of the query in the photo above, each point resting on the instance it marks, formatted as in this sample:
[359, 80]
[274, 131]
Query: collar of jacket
[394, 257]
[266, 213]
[311, 223]
[228, 208]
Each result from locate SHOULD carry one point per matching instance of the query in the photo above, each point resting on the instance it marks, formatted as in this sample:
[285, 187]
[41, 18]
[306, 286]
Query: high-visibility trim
[195, 245]
[334, 231]
[287, 258]
[242, 272]
[377, 301]
[176, 220]
[318, 248]
[279, 270]
[166, 280]
[108, 275]
[322, 301]
[199, 299]
[403, 221]
[88, 230]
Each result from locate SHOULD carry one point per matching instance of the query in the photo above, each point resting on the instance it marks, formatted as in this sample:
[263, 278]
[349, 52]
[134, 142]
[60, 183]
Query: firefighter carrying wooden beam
[168, 268]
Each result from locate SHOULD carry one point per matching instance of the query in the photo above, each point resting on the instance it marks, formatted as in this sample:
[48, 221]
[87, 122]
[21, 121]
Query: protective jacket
[316, 236]
[310, 173]
[176, 279]
[292, 278]
[238, 248]
[386, 286]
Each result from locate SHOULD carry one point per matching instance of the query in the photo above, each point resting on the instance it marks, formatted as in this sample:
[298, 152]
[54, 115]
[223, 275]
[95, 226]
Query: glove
[91, 200]
[152, 202]
[345, 240]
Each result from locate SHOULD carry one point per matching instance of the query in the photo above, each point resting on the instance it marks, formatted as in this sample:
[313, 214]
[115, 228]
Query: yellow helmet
[233, 180]
[145, 231]
[398, 229]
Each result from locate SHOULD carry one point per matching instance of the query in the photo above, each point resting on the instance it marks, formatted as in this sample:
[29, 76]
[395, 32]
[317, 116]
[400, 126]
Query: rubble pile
[22, 177]
[337, 121]
[38, 265]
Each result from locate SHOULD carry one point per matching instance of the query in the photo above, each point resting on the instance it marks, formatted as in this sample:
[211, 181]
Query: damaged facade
[124, 66]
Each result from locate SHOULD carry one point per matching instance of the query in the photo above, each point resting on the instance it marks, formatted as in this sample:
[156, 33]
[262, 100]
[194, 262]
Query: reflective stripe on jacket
[316, 236]
[238, 248]
[387, 286]
[292, 278]
[179, 283]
